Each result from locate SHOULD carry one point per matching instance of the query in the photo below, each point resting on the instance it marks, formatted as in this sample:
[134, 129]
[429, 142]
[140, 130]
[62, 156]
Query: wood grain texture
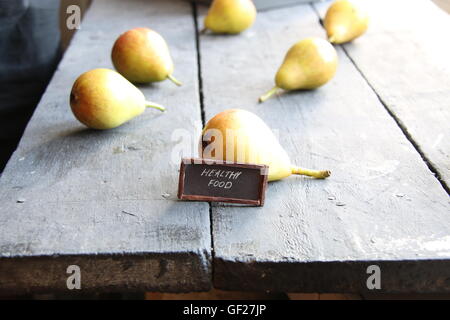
[381, 204]
[405, 57]
[70, 194]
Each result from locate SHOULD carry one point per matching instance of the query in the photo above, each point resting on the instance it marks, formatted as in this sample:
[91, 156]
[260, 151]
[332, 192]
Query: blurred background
[66, 34]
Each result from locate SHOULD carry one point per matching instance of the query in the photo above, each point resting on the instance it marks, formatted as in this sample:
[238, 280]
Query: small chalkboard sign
[220, 181]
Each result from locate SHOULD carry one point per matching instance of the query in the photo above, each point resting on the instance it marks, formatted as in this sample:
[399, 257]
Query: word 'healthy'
[218, 173]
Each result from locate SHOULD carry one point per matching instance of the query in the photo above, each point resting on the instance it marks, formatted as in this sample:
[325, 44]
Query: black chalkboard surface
[219, 181]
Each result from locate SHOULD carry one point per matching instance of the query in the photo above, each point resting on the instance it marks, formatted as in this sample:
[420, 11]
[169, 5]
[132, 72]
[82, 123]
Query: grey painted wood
[381, 205]
[404, 56]
[107, 200]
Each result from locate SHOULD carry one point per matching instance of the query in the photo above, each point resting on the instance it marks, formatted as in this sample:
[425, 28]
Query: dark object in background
[266, 4]
[29, 54]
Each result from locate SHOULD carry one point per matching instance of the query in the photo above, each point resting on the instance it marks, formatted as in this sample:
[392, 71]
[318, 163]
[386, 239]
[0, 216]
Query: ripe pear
[241, 136]
[230, 16]
[309, 64]
[103, 99]
[344, 21]
[141, 55]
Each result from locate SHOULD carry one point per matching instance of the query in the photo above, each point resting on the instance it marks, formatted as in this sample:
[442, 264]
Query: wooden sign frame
[264, 169]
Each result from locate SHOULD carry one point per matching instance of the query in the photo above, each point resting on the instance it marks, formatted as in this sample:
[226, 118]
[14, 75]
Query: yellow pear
[345, 20]
[141, 55]
[240, 136]
[103, 99]
[230, 16]
[309, 64]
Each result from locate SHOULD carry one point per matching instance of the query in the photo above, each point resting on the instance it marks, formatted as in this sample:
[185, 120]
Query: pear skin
[345, 20]
[141, 55]
[230, 16]
[240, 136]
[309, 64]
[103, 99]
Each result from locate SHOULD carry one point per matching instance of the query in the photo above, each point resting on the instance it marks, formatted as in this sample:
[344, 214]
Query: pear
[103, 99]
[141, 55]
[237, 135]
[230, 16]
[344, 21]
[309, 64]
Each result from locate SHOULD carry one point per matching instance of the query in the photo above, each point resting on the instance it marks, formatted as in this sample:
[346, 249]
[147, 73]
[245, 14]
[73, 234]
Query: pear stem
[332, 39]
[203, 31]
[174, 80]
[149, 104]
[267, 95]
[319, 174]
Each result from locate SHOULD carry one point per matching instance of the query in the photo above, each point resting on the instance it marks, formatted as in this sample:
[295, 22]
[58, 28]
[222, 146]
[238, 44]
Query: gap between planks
[202, 113]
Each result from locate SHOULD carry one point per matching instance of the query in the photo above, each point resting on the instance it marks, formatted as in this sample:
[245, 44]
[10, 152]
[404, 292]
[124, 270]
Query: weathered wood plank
[405, 57]
[108, 194]
[380, 206]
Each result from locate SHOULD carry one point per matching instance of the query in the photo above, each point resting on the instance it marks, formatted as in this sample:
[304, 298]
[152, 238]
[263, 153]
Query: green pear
[345, 20]
[141, 55]
[237, 135]
[103, 99]
[230, 16]
[308, 64]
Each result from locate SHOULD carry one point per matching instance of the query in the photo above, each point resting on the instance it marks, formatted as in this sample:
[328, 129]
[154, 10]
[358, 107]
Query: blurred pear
[345, 20]
[230, 16]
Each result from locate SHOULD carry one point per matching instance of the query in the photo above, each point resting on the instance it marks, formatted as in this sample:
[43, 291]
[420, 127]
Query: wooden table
[106, 201]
